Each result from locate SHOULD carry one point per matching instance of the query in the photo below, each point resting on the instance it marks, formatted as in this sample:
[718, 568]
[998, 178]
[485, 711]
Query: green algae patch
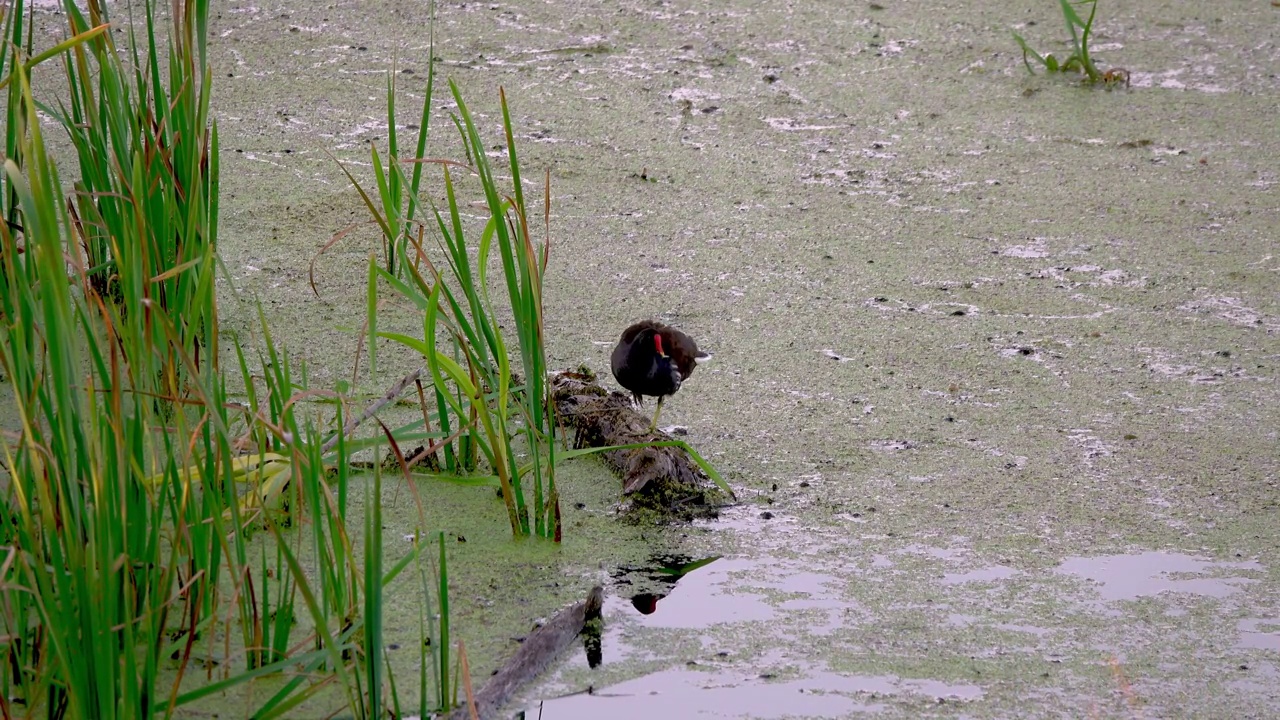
[826, 202]
[498, 586]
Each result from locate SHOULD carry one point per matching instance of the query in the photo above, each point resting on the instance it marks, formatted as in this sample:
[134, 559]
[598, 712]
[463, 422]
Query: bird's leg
[654, 425]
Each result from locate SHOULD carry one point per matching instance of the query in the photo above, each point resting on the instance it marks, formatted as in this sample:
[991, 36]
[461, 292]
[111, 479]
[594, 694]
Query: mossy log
[664, 479]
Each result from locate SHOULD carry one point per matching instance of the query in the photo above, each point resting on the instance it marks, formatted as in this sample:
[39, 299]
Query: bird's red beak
[657, 344]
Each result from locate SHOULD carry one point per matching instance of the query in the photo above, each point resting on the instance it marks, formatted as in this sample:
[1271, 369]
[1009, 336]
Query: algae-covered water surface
[996, 354]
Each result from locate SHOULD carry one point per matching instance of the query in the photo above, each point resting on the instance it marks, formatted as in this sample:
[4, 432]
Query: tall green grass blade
[329, 641]
[373, 582]
[1027, 50]
[58, 50]
[443, 597]
[371, 312]
[1079, 31]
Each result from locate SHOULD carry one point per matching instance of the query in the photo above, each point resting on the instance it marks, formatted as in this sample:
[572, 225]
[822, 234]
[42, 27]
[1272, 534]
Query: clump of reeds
[483, 405]
[135, 575]
[488, 410]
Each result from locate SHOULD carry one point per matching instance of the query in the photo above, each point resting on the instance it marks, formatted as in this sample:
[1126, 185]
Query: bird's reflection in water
[657, 580]
[649, 584]
[646, 603]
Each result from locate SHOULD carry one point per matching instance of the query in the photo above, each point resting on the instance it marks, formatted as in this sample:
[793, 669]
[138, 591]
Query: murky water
[710, 693]
[759, 637]
[1149, 574]
[996, 356]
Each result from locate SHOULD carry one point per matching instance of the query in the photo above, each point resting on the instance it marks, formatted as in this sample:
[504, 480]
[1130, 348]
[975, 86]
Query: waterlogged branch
[537, 652]
[390, 396]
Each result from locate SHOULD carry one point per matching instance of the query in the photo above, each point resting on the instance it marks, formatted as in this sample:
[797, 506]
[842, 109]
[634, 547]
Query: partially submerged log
[657, 478]
[536, 653]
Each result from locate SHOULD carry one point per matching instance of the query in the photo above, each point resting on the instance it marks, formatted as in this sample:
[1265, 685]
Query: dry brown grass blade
[435, 447]
[466, 681]
[311, 267]
[404, 470]
[1122, 682]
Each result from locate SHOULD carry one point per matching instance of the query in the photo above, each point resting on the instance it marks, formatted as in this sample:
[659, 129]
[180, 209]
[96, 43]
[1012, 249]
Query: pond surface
[995, 355]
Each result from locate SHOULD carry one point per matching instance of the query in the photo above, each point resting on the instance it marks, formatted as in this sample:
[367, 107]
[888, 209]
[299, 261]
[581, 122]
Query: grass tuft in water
[1079, 61]
[487, 411]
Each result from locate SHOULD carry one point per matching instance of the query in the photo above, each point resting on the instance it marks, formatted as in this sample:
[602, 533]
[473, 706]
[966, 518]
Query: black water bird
[654, 359]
